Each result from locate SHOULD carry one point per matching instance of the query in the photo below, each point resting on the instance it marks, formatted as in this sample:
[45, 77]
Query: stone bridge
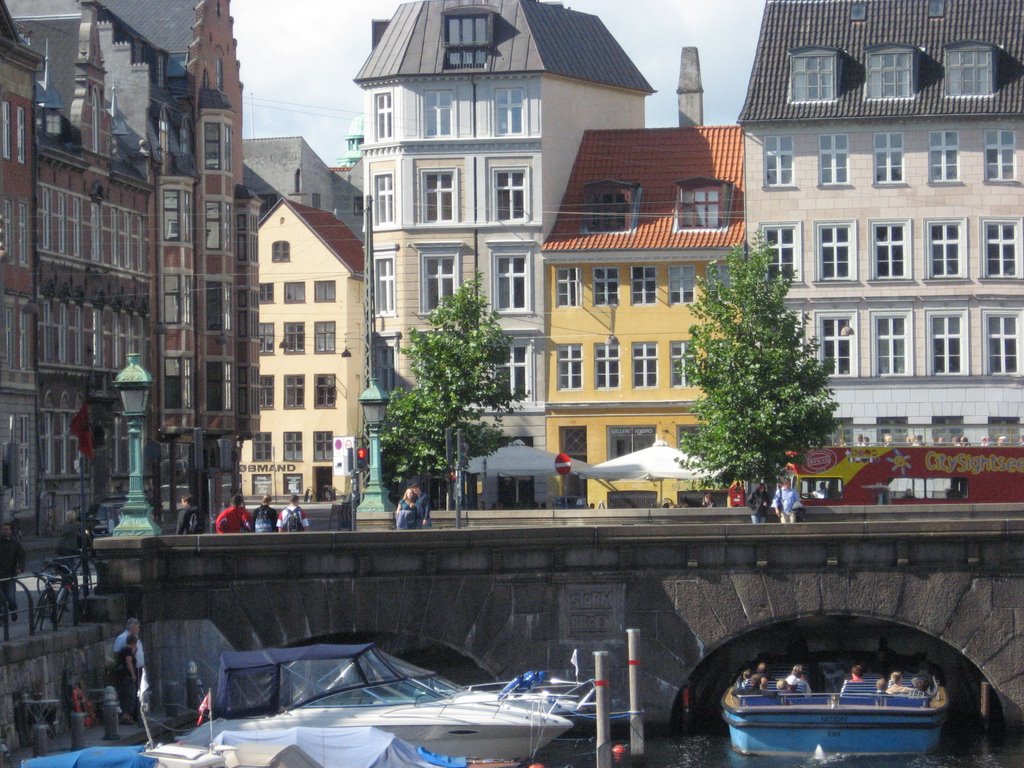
[706, 596]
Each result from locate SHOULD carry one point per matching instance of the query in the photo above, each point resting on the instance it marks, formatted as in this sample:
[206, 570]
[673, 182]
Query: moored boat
[857, 719]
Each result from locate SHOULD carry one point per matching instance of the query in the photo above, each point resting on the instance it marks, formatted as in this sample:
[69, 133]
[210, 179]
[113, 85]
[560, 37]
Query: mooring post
[636, 713]
[986, 692]
[77, 722]
[110, 714]
[603, 748]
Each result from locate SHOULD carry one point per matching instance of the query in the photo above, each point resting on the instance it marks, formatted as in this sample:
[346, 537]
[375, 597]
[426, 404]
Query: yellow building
[645, 212]
[311, 351]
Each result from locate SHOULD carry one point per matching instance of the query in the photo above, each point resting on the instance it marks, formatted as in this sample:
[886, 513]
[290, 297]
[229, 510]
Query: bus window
[821, 488]
[907, 488]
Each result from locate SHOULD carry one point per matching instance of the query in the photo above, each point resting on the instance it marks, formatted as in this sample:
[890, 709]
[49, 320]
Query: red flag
[81, 429]
[204, 708]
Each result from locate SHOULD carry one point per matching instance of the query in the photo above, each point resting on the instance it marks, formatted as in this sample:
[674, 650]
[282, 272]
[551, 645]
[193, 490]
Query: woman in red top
[855, 674]
[234, 519]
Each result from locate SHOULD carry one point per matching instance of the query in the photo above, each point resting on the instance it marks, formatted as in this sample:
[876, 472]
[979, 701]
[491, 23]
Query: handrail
[7, 613]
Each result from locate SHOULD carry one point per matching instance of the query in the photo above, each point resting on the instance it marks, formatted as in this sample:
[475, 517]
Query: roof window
[858, 11]
[610, 206]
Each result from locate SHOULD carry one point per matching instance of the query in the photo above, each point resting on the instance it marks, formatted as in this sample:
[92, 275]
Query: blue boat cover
[94, 757]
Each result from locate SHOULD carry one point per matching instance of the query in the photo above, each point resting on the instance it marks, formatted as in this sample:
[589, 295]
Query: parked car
[104, 515]
[569, 502]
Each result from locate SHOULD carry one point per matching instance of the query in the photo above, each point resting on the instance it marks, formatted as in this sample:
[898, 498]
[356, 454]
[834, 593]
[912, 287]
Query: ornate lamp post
[374, 402]
[133, 384]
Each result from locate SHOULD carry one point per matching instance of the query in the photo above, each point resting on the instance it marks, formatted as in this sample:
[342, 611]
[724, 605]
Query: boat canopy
[95, 757]
[265, 682]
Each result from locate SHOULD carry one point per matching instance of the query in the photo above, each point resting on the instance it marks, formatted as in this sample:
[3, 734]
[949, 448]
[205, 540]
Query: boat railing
[867, 699]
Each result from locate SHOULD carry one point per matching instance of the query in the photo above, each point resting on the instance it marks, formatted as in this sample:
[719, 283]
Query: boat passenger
[746, 681]
[855, 674]
[881, 685]
[920, 686]
[896, 685]
[797, 680]
[765, 687]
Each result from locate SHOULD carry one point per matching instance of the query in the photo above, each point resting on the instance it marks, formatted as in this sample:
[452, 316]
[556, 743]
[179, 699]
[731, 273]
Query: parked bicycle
[58, 592]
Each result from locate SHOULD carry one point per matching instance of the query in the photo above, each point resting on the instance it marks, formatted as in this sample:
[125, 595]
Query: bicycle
[58, 594]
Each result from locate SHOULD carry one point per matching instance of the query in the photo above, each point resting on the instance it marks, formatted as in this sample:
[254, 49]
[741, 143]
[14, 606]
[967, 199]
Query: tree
[458, 367]
[764, 393]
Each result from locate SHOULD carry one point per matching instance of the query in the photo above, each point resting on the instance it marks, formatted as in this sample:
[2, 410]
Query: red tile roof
[656, 159]
[334, 233]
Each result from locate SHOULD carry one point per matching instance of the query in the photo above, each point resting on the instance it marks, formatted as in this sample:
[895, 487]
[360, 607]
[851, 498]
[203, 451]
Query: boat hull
[801, 730]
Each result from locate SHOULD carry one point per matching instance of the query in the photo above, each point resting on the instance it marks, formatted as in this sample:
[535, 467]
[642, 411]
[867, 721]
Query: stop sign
[563, 463]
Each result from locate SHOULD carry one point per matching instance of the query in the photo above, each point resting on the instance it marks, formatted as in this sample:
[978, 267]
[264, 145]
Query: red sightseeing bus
[912, 474]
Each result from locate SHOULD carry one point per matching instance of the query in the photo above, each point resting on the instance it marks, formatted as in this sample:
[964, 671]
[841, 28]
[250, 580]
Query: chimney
[690, 91]
[377, 31]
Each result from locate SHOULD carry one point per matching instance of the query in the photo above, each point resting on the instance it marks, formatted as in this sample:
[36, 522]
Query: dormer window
[611, 206]
[969, 70]
[812, 75]
[468, 39]
[890, 73]
[703, 204]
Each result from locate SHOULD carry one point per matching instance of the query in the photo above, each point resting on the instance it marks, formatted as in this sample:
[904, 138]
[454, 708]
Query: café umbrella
[656, 462]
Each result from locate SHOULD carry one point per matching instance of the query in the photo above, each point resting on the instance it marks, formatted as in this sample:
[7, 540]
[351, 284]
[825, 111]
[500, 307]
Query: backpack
[195, 523]
[294, 521]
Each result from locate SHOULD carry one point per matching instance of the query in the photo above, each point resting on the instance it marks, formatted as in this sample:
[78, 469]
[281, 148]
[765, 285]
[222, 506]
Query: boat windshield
[381, 695]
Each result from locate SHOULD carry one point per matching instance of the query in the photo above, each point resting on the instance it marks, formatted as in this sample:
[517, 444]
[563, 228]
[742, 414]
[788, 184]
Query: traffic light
[362, 458]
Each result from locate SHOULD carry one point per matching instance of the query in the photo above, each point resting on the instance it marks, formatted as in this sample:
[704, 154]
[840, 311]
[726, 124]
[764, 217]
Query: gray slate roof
[793, 24]
[167, 24]
[530, 36]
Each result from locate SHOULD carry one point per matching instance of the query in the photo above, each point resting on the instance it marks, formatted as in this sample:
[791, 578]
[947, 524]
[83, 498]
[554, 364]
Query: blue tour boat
[855, 720]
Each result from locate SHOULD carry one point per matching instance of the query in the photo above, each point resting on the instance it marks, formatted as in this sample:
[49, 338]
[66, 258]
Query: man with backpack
[292, 517]
[265, 517]
[190, 521]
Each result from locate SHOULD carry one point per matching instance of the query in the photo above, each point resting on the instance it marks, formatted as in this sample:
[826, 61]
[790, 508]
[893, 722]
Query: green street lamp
[375, 403]
[133, 384]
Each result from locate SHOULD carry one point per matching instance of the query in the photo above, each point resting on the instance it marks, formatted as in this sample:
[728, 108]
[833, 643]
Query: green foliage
[457, 365]
[763, 390]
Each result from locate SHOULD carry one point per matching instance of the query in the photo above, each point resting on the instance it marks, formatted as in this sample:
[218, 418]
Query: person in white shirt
[785, 500]
[292, 517]
[132, 627]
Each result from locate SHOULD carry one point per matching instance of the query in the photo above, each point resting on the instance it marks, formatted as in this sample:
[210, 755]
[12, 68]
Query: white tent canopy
[658, 462]
[519, 460]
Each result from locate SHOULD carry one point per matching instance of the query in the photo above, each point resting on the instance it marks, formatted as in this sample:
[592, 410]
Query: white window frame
[701, 208]
[439, 193]
[569, 365]
[778, 161]
[19, 124]
[384, 190]
[682, 284]
[812, 77]
[509, 112]
[511, 281]
[890, 75]
[384, 115]
[504, 183]
[889, 346]
[23, 217]
[645, 364]
[568, 287]
[603, 277]
[5, 126]
[384, 274]
[437, 114]
[946, 336]
[76, 226]
[1000, 155]
[889, 158]
[677, 364]
[943, 156]
[833, 159]
[969, 72]
[772, 233]
[960, 243]
[439, 272]
[641, 292]
[607, 366]
[44, 218]
[890, 246]
[1011, 269]
[850, 244]
[834, 337]
[1006, 339]
[520, 365]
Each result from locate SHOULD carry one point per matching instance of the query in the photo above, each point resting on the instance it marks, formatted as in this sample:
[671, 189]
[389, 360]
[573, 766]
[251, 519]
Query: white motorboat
[339, 686]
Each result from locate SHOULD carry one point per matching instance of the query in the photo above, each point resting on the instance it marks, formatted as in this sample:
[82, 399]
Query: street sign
[563, 463]
[343, 446]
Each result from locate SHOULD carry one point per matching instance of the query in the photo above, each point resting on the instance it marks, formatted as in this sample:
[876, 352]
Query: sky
[297, 66]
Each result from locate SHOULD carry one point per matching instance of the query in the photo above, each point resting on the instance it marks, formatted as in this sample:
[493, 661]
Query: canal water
[956, 751]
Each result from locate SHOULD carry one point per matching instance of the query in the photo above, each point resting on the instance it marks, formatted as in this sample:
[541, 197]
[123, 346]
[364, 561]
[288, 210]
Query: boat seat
[757, 700]
[816, 699]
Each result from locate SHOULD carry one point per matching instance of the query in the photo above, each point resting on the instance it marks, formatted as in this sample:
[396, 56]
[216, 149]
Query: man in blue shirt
[785, 499]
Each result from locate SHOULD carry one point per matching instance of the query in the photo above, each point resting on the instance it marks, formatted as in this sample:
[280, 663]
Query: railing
[52, 596]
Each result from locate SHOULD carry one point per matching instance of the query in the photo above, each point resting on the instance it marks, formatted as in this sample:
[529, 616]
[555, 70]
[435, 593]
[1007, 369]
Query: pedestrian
[190, 521]
[405, 514]
[785, 500]
[69, 538]
[308, 494]
[12, 562]
[234, 518]
[126, 675]
[264, 516]
[422, 506]
[132, 628]
[708, 500]
[292, 517]
[759, 501]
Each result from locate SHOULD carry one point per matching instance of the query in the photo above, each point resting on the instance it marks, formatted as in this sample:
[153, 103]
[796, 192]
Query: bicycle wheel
[45, 609]
[65, 603]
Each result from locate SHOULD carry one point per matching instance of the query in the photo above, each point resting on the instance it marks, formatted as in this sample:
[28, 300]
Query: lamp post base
[375, 499]
[136, 520]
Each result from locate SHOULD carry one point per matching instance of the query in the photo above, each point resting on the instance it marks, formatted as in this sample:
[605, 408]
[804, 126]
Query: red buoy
[619, 749]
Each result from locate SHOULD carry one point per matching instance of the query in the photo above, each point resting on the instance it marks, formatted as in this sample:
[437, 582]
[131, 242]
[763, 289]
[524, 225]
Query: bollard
[40, 744]
[603, 746]
[110, 714]
[636, 714]
[193, 686]
[78, 730]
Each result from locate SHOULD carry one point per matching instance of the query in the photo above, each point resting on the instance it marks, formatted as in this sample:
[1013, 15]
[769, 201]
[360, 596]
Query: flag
[204, 708]
[81, 429]
[575, 661]
[143, 684]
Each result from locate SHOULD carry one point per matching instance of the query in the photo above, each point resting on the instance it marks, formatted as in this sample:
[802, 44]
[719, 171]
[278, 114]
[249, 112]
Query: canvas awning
[657, 462]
